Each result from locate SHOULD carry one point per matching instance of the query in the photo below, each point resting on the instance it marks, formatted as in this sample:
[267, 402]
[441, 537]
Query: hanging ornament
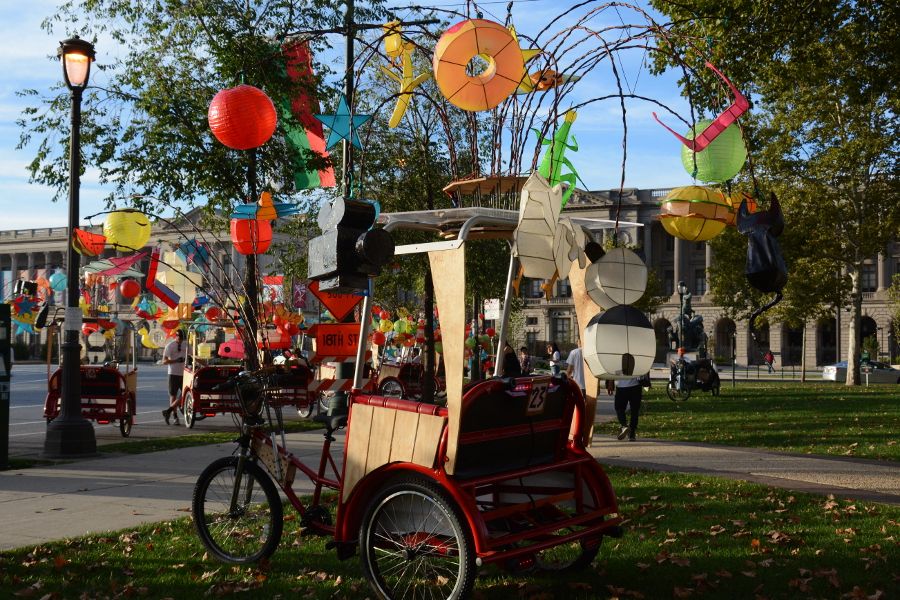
[242, 117]
[126, 230]
[129, 288]
[58, 281]
[343, 124]
[251, 236]
[618, 277]
[86, 243]
[695, 213]
[619, 343]
[722, 159]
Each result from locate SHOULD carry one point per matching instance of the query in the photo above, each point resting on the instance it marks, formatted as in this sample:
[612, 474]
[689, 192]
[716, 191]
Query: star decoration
[342, 124]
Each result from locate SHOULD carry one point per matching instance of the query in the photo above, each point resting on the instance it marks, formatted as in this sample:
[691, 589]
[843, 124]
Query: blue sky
[653, 154]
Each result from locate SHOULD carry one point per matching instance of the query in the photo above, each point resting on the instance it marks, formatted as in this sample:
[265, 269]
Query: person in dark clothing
[510, 364]
[628, 394]
[525, 361]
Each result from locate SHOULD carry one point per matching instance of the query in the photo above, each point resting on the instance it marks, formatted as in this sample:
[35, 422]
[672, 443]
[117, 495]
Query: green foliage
[894, 296]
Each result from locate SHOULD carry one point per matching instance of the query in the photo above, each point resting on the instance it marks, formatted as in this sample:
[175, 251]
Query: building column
[708, 262]
[48, 262]
[13, 269]
[30, 267]
[883, 279]
[676, 266]
[648, 247]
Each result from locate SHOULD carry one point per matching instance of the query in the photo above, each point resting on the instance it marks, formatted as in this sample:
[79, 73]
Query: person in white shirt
[575, 368]
[173, 357]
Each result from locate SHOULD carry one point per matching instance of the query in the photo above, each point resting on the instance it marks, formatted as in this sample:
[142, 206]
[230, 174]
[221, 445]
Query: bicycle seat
[331, 422]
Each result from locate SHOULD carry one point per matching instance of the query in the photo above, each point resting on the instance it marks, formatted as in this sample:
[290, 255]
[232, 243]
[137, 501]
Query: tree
[823, 131]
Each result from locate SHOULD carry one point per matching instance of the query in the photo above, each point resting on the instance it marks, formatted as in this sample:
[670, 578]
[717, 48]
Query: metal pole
[504, 317]
[70, 434]
[250, 277]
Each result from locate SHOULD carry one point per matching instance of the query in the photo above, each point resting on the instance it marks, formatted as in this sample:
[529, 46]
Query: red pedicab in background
[405, 379]
[108, 391]
[426, 492]
[208, 364]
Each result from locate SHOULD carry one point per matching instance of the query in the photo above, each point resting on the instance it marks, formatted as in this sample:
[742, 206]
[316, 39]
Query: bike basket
[250, 394]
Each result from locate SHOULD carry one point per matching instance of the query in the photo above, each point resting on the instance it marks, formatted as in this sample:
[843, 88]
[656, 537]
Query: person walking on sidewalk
[628, 394]
[770, 359]
[555, 359]
[173, 357]
[575, 368]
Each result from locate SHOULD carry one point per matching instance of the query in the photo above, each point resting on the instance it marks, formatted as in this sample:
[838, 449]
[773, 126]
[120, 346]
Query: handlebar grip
[225, 385]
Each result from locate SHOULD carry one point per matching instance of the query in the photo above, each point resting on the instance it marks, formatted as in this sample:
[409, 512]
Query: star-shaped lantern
[343, 124]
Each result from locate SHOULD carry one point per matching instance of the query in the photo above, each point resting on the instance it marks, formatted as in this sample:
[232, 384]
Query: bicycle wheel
[413, 543]
[190, 417]
[251, 530]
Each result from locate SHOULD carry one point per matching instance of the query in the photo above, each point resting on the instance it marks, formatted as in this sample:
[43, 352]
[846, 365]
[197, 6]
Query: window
[531, 320]
[669, 282]
[562, 330]
[534, 288]
[563, 289]
[531, 339]
[670, 243]
[868, 278]
[700, 281]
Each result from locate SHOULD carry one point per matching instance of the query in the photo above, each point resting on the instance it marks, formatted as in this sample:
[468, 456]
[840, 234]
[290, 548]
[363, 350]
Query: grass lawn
[811, 418]
[686, 536]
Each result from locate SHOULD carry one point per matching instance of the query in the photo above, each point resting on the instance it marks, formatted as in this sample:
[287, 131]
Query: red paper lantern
[490, 331]
[385, 315]
[130, 288]
[242, 117]
[291, 329]
[378, 338]
[213, 313]
[251, 236]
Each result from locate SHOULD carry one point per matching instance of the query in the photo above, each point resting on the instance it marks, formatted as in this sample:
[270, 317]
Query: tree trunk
[802, 355]
[853, 326]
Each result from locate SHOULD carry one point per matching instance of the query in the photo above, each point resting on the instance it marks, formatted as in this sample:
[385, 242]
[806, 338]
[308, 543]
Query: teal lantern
[721, 160]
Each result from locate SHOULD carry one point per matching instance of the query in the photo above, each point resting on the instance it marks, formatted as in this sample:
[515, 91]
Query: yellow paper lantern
[695, 213]
[127, 230]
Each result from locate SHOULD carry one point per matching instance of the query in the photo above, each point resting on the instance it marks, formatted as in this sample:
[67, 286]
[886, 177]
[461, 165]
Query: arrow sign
[336, 339]
[338, 305]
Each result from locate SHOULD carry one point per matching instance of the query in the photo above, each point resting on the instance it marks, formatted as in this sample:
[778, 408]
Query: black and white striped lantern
[619, 343]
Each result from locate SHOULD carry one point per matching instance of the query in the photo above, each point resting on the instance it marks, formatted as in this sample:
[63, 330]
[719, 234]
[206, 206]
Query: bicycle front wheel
[250, 529]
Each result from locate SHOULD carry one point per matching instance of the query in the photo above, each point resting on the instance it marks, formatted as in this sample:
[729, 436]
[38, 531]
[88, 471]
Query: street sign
[492, 309]
[335, 339]
[339, 305]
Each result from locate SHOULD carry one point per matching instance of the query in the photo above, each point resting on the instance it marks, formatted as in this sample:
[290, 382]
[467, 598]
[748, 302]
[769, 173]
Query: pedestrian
[770, 359]
[628, 395]
[524, 361]
[575, 368]
[173, 357]
[555, 359]
[510, 364]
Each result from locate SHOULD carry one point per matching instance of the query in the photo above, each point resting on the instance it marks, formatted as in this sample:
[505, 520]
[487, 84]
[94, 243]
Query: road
[27, 426]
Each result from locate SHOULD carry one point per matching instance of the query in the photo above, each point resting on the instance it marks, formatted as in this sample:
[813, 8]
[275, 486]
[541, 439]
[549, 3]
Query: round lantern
[129, 288]
[242, 117]
[385, 315]
[470, 342]
[695, 213]
[619, 343]
[618, 277]
[213, 313]
[251, 236]
[126, 230]
[378, 338]
[58, 282]
[400, 326]
[721, 160]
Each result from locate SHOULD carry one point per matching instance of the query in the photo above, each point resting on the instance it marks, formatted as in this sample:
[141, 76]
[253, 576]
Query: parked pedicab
[425, 493]
[208, 364]
[108, 391]
[405, 379]
[687, 375]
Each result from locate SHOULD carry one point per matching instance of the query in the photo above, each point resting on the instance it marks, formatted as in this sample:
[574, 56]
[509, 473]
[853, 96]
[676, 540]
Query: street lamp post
[682, 291]
[70, 434]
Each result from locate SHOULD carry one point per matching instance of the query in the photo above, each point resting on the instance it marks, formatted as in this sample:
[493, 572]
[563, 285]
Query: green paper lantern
[721, 160]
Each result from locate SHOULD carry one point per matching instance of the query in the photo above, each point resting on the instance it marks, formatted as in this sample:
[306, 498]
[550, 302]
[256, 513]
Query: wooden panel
[428, 436]
[357, 446]
[406, 425]
[380, 438]
[585, 310]
[448, 270]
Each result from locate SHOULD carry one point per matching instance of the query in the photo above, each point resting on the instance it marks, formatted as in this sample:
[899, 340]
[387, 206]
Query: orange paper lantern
[242, 117]
[251, 236]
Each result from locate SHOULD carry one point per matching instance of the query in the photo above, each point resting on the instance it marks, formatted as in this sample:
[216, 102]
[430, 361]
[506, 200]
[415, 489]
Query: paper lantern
[619, 343]
[491, 43]
[242, 117]
[734, 201]
[470, 342]
[86, 243]
[378, 338]
[129, 288]
[539, 209]
[695, 213]
[385, 325]
[58, 282]
[214, 313]
[126, 230]
[618, 277]
[251, 236]
[400, 326]
[721, 160]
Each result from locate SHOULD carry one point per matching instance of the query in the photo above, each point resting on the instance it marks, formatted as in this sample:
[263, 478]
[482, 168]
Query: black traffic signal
[349, 251]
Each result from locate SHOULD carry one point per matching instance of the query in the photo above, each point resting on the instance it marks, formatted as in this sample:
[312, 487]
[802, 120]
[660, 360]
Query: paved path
[108, 493]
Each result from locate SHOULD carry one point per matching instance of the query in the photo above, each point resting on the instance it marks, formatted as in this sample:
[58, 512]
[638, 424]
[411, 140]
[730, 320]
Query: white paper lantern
[618, 277]
[534, 237]
[619, 344]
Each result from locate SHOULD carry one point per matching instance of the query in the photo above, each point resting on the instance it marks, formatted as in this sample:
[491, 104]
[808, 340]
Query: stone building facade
[676, 260]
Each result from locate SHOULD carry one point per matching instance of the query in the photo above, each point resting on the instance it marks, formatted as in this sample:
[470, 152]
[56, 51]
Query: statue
[688, 331]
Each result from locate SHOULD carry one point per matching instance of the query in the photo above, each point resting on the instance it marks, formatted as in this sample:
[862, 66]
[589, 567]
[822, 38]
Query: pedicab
[687, 375]
[405, 379]
[425, 493]
[108, 391]
[208, 364]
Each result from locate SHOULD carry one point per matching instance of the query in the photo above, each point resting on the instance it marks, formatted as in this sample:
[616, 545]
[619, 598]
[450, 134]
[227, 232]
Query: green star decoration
[343, 124]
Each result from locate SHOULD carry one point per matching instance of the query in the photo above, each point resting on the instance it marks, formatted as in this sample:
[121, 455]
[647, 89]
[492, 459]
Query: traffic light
[349, 251]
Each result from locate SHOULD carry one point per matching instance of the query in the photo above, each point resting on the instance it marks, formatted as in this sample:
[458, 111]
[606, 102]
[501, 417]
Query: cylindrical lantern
[695, 213]
[618, 277]
[58, 282]
[721, 160]
[619, 343]
[242, 117]
[129, 288]
[251, 236]
[126, 230]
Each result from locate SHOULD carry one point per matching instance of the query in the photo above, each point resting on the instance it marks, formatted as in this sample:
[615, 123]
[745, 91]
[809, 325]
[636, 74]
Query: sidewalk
[108, 493]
